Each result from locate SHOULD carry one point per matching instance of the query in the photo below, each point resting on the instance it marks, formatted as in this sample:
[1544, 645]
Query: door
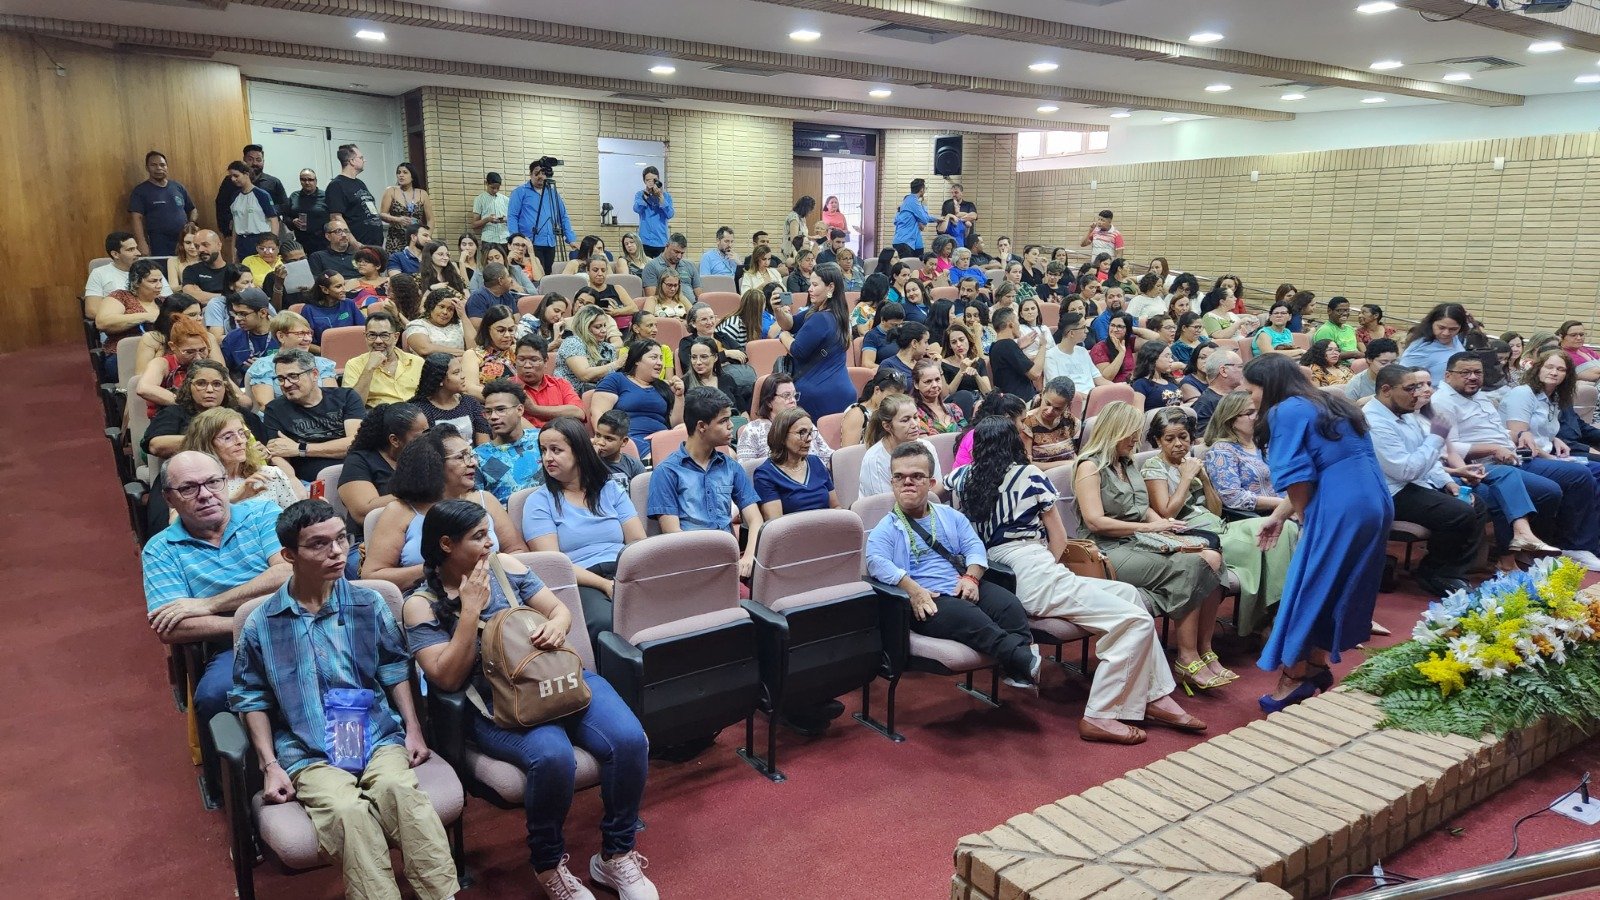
[290, 148]
[808, 183]
[379, 172]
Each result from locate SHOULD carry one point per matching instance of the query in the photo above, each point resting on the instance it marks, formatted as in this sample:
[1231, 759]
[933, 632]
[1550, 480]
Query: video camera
[547, 164]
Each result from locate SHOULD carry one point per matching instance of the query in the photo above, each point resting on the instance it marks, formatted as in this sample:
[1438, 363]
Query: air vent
[634, 98]
[1296, 87]
[1477, 63]
[911, 33]
[744, 70]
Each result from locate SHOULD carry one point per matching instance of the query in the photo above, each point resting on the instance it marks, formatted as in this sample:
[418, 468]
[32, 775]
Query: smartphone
[1524, 453]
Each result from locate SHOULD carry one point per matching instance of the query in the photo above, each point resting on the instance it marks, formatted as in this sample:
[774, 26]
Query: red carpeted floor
[100, 799]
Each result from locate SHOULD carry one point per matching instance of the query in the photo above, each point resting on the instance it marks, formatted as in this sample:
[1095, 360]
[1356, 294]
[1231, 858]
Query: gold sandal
[1210, 656]
[1186, 677]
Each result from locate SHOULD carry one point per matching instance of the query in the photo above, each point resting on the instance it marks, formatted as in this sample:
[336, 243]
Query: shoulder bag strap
[958, 562]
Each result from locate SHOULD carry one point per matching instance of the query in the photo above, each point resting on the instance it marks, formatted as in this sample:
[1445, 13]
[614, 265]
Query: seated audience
[893, 423]
[589, 353]
[549, 321]
[547, 395]
[494, 253]
[339, 255]
[186, 343]
[1369, 325]
[329, 307]
[1532, 410]
[1323, 361]
[1015, 372]
[792, 479]
[876, 342]
[778, 393]
[385, 373]
[804, 263]
[1236, 468]
[252, 339]
[638, 389]
[374, 452]
[1379, 352]
[668, 300]
[1148, 549]
[995, 403]
[509, 461]
[1014, 508]
[855, 275]
[612, 298]
[1152, 375]
[1068, 358]
[1434, 340]
[370, 285]
[440, 397]
[498, 290]
[437, 270]
[443, 326]
[291, 332]
[761, 269]
[672, 260]
[467, 584]
[1276, 336]
[1189, 336]
[1049, 431]
[1585, 360]
[1114, 355]
[1224, 374]
[123, 249]
[205, 386]
[910, 341]
[1338, 330]
[935, 414]
[404, 299]
[947, 602]
[309, 425]
[128, 308]
[494, 355]
[965, 371]
[610, 440]
[360, 799]
[697, 487]
[1193, 383]
[222, 432]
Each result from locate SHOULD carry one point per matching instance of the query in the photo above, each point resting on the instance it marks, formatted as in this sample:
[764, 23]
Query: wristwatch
[302, 448]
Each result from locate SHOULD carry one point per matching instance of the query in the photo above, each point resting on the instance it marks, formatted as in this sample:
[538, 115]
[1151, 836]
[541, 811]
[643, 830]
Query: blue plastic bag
[347, 712]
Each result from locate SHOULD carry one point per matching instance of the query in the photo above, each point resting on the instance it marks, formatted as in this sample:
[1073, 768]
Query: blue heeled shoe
[1303, 690]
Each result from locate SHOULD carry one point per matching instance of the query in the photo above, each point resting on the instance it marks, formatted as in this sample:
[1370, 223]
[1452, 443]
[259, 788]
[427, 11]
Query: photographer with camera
[654, 208]
[537, 208]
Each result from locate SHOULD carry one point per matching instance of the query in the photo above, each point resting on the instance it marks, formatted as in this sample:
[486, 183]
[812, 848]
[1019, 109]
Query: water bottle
[1465, 494]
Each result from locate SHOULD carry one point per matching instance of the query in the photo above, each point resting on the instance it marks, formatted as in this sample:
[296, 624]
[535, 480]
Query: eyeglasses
[1416, 388]
[299, 332]
[1466, 373]
[909, 477]
[236, 436]
[803, 433]
[338, 231]
[287, 377]
[462, 456]
[339, 542]
[380, 335]
[497, 410]
[794, 395]
[212, 486]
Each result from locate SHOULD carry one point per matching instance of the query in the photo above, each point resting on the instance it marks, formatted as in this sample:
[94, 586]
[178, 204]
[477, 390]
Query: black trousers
[1457, 528]
[996, 626]
[546, 257]
[596, 605]
[906, 251]
[651, 251]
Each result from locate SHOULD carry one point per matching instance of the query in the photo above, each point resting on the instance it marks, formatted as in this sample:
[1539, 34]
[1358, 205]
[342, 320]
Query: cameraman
[536, 208]
[654, 208]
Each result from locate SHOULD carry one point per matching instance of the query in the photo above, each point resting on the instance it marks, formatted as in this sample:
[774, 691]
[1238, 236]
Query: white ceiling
[1326, 31]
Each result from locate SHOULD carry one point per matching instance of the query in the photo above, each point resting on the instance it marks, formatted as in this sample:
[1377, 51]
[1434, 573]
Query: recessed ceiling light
[1172, 118]
[1204, 37]
[1044, 66]
[804, 34]
[1218, 88]
[1373, 8]
[367, 34]
[663, 69]
[1386, 64]
[1546, 46]
[1047, 108]
[832, 137]
[1292, 96]
[354, 85]
[1121, 114]
[1458, 76]
[879, 93]
[1374, 100]
[1587, 79]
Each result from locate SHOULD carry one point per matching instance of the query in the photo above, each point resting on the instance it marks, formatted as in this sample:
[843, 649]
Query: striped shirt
[178, 566]
[1025, 494]
[286, 659]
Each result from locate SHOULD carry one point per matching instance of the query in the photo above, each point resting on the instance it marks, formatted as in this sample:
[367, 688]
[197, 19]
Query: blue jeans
[611, 733]
[1579, 525]
[1513, 494]
[211, 690]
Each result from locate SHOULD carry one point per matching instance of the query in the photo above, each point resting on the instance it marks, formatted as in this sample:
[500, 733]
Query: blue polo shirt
[178, 566]
[908, 222]
[404, 262]
[702, 499]
[956, 274]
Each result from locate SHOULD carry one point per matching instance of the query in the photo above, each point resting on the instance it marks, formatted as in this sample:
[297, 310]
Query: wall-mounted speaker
[947, 155]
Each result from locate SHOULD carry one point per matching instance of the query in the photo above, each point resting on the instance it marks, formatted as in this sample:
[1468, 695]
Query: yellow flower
[1446, 672]
[1563, 582]
[1500, 654]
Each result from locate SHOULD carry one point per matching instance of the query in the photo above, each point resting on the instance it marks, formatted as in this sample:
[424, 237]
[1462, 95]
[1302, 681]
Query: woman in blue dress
[819, 347]
[1314, 437]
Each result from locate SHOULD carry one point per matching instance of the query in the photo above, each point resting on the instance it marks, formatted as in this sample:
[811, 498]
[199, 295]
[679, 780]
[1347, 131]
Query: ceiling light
[1218, 88]
[1374, 8]
[1204, 37]
[832, 137]
[1546, 46]
[804, 34]
[1047, 108]
[1458, 76]
[879, 93]
[1292, 96]
[663, 69]
[1374, 100]
[1045, 66]
[367, 34]
[1386, 64]
[1172, 118]
[1121, 114]
[816, 149]
[1587, 79]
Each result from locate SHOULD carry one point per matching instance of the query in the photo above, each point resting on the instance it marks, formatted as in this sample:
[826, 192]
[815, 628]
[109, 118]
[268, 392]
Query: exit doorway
[839, 163]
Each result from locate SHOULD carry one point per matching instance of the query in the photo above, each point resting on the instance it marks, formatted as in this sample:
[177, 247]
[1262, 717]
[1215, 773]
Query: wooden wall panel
[74, 147]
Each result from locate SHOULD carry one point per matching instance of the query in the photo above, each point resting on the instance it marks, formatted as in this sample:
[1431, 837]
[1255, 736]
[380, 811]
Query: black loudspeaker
[947, 155]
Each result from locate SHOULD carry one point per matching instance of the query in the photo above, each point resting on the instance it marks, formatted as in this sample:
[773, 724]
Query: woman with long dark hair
[1114, 355]
[329, 307]
[705, 370]
[466, 584]
[374, 452]
[1013, 506]
[911, 343]
[1152, 375]
[1323, 361]
[638, 389]
[995, 404]
[1432, 341]
[205, 386]
[1313, 438]
[820, 348]
[438, 268]
[853, 427]
[441, 397]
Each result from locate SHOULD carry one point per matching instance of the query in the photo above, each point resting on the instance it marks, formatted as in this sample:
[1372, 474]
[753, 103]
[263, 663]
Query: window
[1040, 144]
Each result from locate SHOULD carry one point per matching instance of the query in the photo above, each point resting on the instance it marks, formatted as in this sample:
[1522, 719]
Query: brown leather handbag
[1086, 559]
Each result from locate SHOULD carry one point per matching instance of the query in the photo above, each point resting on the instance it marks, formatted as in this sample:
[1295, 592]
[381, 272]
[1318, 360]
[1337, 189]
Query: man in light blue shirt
[698, 486]
[943, 574]
[653, 205]
[535, 211]
[672, 259]
[910, 219]
[719, 260]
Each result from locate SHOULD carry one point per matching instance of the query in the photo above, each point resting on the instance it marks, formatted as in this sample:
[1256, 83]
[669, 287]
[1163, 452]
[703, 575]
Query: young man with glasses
[349, 769]
[251, 338]
[509, 462]
[385, 373]
[203, 566]
[1072, 362]
[932, 552]
[310, 426]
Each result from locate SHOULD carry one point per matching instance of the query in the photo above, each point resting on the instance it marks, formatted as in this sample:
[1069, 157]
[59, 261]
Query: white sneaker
[1584, 558]
[625, 875]
[1038, 661]
[560, 884]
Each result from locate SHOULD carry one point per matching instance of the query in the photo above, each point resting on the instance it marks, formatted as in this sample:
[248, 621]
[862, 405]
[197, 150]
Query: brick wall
[988, 175]
[1404, 227]
[722, 169]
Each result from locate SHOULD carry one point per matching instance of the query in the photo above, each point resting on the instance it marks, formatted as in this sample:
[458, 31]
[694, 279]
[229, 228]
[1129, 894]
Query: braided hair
[446, 519]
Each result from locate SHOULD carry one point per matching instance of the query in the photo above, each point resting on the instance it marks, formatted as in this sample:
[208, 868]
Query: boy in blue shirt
[698, 486]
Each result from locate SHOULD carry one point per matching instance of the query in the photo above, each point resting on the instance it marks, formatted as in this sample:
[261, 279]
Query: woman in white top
[443, 326]
[761, 269]
[222, 433]
[893, 423]
[777, 394]
[1532, 409]
[1033, 336]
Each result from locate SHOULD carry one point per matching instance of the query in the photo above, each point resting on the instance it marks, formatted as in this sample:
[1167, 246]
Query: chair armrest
[884, 587]
[238, 761]
[772, 649]
[228, 735]
[447, 720]
[894, 617]
[622, 664]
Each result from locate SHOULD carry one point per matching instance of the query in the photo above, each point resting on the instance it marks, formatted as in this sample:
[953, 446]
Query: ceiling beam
[188, 43]
[1024, 29]
[1575, 27]
[418, 15]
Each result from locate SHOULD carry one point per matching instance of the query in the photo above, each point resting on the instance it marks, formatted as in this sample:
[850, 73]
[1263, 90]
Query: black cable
[1539, 812]
[1385, 877]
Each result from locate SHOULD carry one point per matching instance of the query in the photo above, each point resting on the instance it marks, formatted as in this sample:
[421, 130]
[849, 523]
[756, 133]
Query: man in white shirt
[123, 249]
[489, 211]
[1075, 365]
[1479, 434]
[1409, 449]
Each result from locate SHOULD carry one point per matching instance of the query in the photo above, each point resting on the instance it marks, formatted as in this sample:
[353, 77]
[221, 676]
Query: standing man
[251, 213]
[509, 462]
[910, 219]
[653, 205]
[671, 259]
[310, 426]
[350, 202]
[228, 191]
[965, 217]
[720, 260]
[535, 210]
[307, 212]
[1103, 237]
[160, 208]
[490, 211]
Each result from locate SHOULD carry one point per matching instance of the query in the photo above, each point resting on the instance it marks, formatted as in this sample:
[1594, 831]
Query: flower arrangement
[1524, 645]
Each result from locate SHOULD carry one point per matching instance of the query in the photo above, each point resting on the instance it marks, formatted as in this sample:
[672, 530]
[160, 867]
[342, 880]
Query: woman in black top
[704, 369]
[364, 481]
[441, 398]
